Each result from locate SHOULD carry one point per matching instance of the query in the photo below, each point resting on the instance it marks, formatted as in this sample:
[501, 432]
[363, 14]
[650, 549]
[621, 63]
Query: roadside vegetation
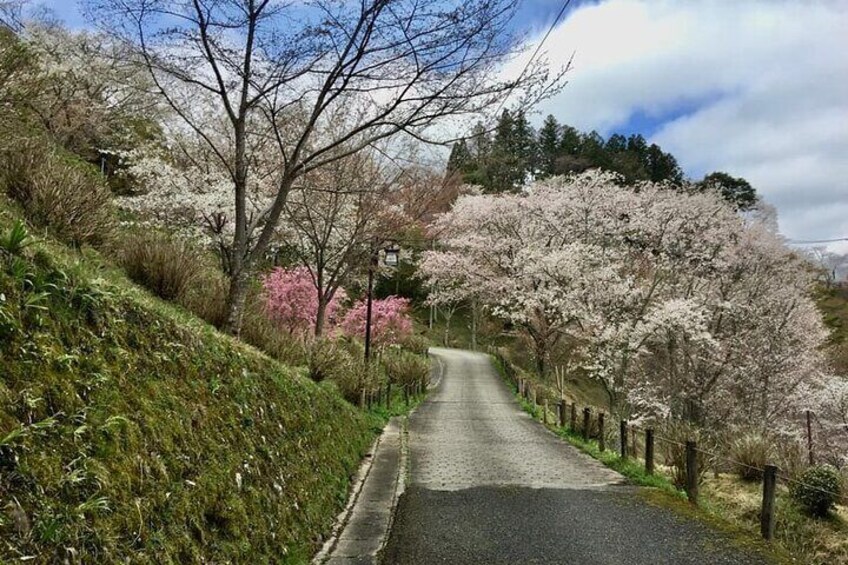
[730, 490]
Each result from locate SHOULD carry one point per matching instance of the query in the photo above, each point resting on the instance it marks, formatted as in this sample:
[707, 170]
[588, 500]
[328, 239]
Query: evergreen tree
[734, 189]
[569, 141]
[663, 166]
[524, 147]
[460, 160]
[617, 143]
[549, 146]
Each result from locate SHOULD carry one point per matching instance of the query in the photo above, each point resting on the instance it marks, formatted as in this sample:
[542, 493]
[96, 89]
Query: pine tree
[663, 166]
[524, 147]
[460, 160]
[504, 164]
[734, 189]
[549, 146]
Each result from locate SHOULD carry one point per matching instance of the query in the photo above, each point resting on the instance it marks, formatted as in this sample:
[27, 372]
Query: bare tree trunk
[448, 316]
[320, 316]
[474, 312]
[236, 301]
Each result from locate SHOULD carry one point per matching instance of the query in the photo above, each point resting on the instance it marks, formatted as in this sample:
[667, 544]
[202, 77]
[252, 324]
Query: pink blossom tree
[390, 320]
[291, 300]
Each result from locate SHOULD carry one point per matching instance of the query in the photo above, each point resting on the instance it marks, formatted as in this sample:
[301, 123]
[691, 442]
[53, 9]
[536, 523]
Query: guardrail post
[601, 435]
[692, 471]
[767, 512]
[649, 451]
[562, 413]
[573, 423]
[545, 412]
[587, 413]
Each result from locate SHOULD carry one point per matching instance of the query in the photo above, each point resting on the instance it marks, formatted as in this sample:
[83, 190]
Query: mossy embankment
[130, 430]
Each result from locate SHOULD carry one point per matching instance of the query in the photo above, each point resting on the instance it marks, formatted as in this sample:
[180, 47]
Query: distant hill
[504, 160]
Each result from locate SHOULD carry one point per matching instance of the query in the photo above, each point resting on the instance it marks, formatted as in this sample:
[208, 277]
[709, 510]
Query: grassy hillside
[129, 430]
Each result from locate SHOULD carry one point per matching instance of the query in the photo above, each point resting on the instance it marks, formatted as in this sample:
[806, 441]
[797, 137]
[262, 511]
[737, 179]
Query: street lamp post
[392, 258]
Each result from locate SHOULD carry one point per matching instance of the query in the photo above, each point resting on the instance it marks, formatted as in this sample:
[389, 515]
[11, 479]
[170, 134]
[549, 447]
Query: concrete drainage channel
[363, 527]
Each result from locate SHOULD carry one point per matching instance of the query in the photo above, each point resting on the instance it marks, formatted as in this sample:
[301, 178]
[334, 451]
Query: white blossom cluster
[679, 305]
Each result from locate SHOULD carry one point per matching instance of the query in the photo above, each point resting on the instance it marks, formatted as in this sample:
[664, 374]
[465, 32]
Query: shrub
[416, 344]
[678, 433]
[750, 453]
[817, 490]
[164, 264]
[326, 360]
[59, 192]
[206, 297]
[405, 368]
[341, 362]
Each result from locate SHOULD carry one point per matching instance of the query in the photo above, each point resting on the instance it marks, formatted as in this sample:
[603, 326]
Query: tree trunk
[448, 316]
[236, 300]
[320, 316]
[474, 325]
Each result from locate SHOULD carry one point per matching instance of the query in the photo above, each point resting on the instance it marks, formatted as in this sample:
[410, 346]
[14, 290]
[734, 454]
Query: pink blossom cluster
[291, 299]
[390, 320]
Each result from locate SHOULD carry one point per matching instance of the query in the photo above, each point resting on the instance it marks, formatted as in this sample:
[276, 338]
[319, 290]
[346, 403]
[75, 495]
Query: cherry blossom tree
[676, 303]
[274, 76]
[390, 320]
[334, 219]
[291, 300]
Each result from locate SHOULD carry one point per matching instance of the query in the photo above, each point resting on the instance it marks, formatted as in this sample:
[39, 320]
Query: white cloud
[768, 81]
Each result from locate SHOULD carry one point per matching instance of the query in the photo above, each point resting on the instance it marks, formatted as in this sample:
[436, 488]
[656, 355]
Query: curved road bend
[489, 485]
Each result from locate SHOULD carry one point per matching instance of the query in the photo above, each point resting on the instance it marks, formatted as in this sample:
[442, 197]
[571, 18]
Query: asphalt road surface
[489, 485]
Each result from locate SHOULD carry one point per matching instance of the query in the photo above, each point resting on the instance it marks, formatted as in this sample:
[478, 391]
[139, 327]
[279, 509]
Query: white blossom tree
[677, 304]
[277, 73]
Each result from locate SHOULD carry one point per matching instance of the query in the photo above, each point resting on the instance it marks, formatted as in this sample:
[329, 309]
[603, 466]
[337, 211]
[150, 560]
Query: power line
[535, 53]
[814, 241]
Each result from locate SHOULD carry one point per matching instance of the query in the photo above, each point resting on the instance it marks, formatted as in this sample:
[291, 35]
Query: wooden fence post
[692, 471]
[533, 392]
[649, 451]
[767, 512]
[586, 415]
[545, 412]
[406, 395]
[573, 423]
[602, 440]
[562, 413]
[623, 438]
[389, 395]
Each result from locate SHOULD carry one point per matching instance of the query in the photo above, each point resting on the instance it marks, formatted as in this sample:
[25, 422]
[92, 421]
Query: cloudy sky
[756, 88]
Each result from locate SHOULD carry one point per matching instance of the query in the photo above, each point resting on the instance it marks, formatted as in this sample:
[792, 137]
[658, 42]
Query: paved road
[490, 485]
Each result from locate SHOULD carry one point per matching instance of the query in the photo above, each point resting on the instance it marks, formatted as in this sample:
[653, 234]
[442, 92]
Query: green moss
[130, 430]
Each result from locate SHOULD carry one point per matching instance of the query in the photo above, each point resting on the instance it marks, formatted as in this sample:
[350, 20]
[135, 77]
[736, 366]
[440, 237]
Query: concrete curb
[362, 529]
[343, 516]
